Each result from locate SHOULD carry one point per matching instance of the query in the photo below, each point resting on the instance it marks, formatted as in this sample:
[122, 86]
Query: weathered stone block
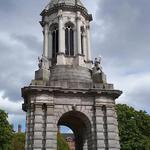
[37, 144]
[42, 74]
[38, 135]
[100, 128]
[38, 127]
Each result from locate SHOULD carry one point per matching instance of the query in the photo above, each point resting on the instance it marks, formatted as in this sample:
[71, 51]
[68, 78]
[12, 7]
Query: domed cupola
[67, 49]
[66, 28]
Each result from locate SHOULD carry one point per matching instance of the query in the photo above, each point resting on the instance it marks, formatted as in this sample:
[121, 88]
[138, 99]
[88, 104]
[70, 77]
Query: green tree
[134, 128]
[18, 141]
[6, 132]
[61, 143]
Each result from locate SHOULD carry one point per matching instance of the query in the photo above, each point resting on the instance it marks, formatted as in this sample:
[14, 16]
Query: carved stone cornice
[33, 90]
[63, 7]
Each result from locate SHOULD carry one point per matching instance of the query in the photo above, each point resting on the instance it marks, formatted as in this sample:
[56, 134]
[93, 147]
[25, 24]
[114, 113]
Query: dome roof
[66, 2]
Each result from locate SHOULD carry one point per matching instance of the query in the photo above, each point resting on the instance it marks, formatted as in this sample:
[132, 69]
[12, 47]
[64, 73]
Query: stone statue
[43, 63]
[97, 73]
[40, 62]
[97, 65]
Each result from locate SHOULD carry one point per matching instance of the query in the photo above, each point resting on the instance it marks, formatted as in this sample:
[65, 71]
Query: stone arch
[53, 26]
[69, 23]
[80, 124]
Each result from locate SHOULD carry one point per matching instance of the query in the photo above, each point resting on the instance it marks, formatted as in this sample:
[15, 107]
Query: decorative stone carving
[97, 65]
[40, 62]
[43, 63]
[97, 73]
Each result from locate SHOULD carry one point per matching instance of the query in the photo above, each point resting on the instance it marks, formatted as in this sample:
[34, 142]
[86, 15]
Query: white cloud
[14, 109]
[135, 87]
[10, 106]
[121, 35]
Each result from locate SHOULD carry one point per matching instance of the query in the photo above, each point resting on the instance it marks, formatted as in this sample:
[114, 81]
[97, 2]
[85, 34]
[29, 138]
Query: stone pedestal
[90, 113]
[42, 74]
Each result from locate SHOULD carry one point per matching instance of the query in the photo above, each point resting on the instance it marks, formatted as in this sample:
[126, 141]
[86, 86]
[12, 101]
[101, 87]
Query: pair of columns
[86, 38]
[106, 128]
[41, 132]
[47, 44]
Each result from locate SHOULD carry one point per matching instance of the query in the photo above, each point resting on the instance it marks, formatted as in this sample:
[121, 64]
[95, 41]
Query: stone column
[99, 128]
[38, 127]
[50, 45]
[27, 129]
[27, 132]
[61, 33]
[112, 128]
[75, 42]
[46, 41]
[30, 127]
[51, 129]
[84, 44]
[91, 138]
[79, 32]
[93, 134]
[85, 146]
[88, 43]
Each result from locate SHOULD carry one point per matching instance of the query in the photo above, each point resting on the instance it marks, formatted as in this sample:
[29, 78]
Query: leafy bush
[134, 128]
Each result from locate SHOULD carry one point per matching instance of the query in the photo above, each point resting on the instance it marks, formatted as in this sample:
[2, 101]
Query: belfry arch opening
[55, 36]
[81, 127]
[69, 39]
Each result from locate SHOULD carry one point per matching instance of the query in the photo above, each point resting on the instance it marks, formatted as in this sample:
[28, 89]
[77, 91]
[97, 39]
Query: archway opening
[68, 135]
[81, 127]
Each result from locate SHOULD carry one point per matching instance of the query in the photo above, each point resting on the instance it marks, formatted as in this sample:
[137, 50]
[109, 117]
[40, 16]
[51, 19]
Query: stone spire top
[65, 2]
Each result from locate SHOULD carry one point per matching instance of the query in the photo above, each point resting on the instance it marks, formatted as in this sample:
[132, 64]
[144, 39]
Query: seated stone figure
[97, 67]
[97, 73]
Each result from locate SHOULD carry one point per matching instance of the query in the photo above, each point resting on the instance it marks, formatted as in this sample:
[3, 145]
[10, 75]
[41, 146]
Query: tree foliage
[134, 128]
[61, 143]
[6, 132]
[18, 141]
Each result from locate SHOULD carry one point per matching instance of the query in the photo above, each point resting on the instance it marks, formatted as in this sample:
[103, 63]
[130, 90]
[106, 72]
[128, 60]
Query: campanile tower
[69, 88]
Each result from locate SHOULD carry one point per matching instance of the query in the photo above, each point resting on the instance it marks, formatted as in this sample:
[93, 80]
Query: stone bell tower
[68, 88]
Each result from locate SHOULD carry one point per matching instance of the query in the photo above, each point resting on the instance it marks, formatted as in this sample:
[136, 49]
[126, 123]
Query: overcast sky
[120, 35]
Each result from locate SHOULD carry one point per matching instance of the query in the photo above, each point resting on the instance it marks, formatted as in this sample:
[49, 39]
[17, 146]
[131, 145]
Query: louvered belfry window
[69, 40]
[82, 36]
[55, 43]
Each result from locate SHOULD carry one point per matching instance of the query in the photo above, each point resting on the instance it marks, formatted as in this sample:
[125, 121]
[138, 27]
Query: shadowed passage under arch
[81, 126]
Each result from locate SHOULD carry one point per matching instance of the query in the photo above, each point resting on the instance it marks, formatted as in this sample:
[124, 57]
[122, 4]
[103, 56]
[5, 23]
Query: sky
[120, 34]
